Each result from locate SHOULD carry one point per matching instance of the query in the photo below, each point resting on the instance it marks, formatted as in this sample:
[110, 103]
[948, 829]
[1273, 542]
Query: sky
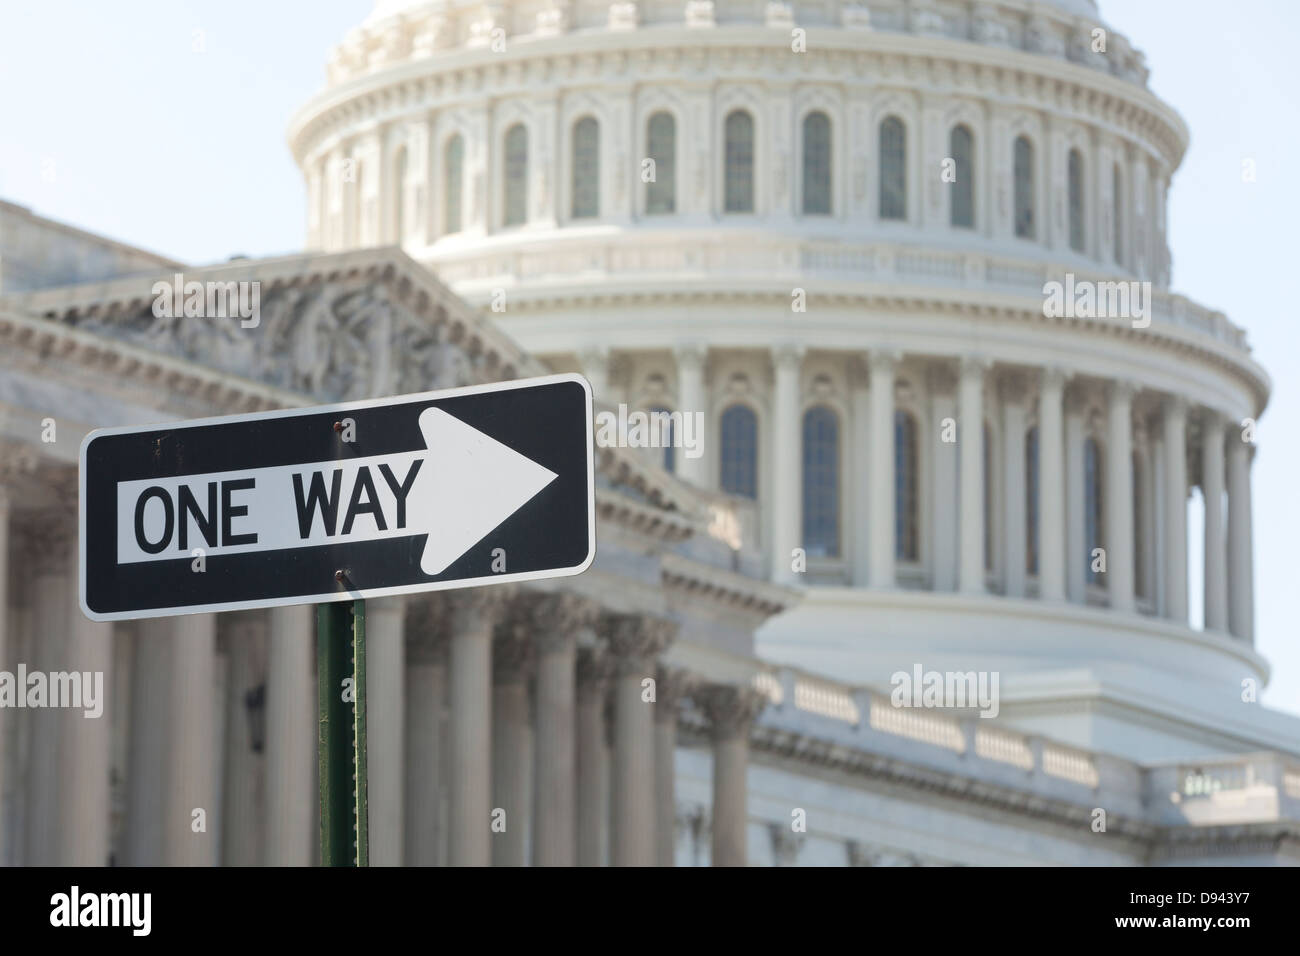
[162, 124]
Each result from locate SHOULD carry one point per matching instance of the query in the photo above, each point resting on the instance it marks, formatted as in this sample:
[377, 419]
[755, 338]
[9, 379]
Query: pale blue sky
[110, 120]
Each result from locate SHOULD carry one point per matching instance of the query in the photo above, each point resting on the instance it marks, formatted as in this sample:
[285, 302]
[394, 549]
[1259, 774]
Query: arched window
[1031, 500]
[661, 144]
[821, 483]
[893, 169]
[738, 463]
[661, 430]
[961, 147]
[906, 494]
[816, 165]
[739, 189]
[452, 192]
[988, 496]
[399, 195]
[516, 173]
[1074, 172]
[1024, 187]
[1092, 504]
[586, 168]
[1139, 519]
[1117, 198]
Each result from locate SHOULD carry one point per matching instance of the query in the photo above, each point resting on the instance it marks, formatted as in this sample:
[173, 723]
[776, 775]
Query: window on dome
[906, 479]
[961, 147]
[516, 172]
[816, 165]
[453, 171]
[586, 168]
[738, 464]
[821, 483]
[1092, 505]
[1117, 198]
[1024, 187]
[1075, 184]
[661, 145]
[739, 187]
[893, 169]
[1031, 501]
[399, 194]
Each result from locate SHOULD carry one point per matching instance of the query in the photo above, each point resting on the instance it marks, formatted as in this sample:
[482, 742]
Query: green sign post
[341, 694]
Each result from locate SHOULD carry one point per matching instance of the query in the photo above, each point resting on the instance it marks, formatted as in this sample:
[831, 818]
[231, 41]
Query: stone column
[147, 747]
[385, 718]
[880, 480]
[1014, 418]
[1119, 496]
[51, 541]
[634, 641]
[512, 659]
[5, 662]
[1216, 571]
[1241, 576]
[787, 458]
[692, 401]
[292, 805]
[943, 524]
[595, 366]
[1174, 496]
[84, 749]
[671, 684]
[971, 436]
[1076, 548]
[557, 619]
[242, 825]
[731, 711]
[426, 696]
[859, 489]
[593, 673]
[471, 616]
[188, 784]
[1051, 487]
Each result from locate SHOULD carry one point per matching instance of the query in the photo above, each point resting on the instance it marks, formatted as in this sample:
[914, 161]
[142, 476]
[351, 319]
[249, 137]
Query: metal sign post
[341, 720]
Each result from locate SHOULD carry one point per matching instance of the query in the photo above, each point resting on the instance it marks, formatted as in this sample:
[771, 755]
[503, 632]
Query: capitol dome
[831, 229]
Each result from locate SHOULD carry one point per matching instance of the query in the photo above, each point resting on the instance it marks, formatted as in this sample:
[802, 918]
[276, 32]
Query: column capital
[941, 378]
[595, 666]
[636, 638]
[1013, 387]
[1174, 406]
[691, 355]
[730, 709]
[1053, 377]
[594, 355]
[48, 538]
[883, 359]
[555, 617]
[974, 365]
[671, 685]
[512, 652]
[469, 608]
[426, 632]
[788, 355]
[1120, 391]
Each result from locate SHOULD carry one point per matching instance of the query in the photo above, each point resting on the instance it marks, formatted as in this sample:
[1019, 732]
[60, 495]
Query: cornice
[726, 588]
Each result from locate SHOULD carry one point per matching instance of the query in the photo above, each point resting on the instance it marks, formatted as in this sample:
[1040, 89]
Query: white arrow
[456, 490]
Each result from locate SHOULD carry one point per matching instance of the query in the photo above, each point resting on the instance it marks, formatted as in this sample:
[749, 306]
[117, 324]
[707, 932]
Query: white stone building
[829, 230]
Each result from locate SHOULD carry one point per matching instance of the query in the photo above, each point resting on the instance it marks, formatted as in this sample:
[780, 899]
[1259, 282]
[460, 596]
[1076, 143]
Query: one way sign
[446, 489]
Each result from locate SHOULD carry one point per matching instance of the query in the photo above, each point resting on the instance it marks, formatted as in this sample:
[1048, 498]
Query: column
[1014, 417]
[85, 747]
[634, 641]
[1051, 487]
[859, 489]
[1241, 578]
[385, 718]
[1076, 548]
[242, 832]
[1175, 507]
[1216, 572]
[512, 662]
[147, 746]
[593, 673]
[51, 542]
[188, 783]
[971, 436]
[471, 616]
[1119, 496]
[5, 662]
[595, 366]
[426, 697]
[787, 459]
[557, 619]
[731, 711]
[943, 407]
[691, 401]
[671, 684]
[292, 806]
[880, 481]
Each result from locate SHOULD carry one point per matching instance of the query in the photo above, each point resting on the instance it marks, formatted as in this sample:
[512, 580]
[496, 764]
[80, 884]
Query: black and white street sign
[447, 489]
